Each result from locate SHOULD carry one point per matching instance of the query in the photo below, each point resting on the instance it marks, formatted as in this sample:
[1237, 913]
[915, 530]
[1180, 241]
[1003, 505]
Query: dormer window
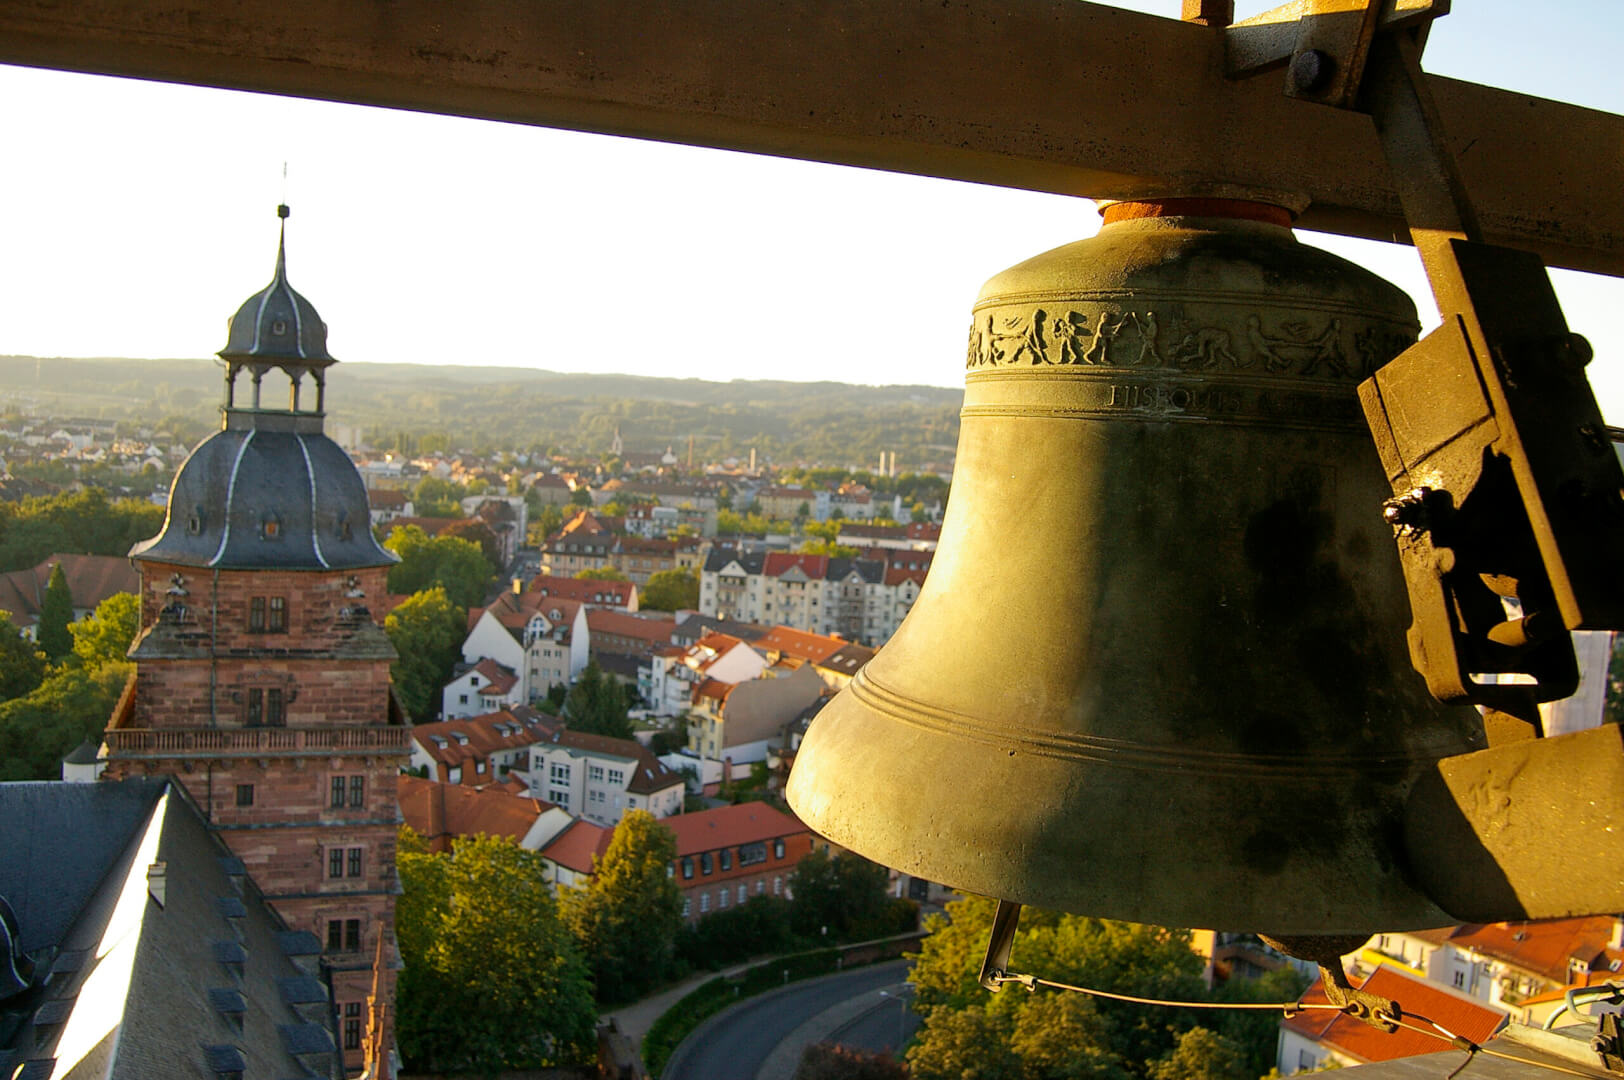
[270, 527]
[194, 523]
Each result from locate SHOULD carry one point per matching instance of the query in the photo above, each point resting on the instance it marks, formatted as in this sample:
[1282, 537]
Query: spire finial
[282, 212]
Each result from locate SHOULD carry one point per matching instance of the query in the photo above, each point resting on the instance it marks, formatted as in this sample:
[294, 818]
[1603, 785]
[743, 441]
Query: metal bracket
[1609, 1043]
[1006, 919]
[1508, 505]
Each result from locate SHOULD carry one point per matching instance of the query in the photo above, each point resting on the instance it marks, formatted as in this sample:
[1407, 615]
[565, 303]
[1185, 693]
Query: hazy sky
[139, 215]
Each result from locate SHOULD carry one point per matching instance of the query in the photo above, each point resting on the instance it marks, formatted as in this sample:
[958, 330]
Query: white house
[484, 687]
[544, 639]
[599, 778]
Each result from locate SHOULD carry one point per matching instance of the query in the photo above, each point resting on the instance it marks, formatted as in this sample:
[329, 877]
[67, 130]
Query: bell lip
[862, 806]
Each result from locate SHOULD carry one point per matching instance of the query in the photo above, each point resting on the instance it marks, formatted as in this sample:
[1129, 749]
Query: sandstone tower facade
[262, 679]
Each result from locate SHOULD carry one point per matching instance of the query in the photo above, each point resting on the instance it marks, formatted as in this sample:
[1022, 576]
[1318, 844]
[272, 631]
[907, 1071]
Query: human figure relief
[1069, 330]
[1148, 354]
[1328, 350]
[1105, 332]
[1263, 347]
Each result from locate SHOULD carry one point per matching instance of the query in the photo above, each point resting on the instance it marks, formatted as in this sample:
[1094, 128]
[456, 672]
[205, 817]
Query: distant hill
[498, 408]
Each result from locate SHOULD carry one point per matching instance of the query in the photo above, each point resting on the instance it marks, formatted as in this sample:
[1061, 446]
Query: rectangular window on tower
[274, 714]
[277, 623]
[255, 713]
[343, 935]
[245, 794]
[355, 862]
[256, 615]
[336, 799]
[358, 788]
[352, 1025]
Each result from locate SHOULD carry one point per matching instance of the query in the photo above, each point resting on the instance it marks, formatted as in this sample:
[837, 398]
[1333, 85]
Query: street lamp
[902, 1013]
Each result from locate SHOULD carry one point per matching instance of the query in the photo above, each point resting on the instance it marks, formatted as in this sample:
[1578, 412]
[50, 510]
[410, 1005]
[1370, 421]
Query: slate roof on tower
[277, 323]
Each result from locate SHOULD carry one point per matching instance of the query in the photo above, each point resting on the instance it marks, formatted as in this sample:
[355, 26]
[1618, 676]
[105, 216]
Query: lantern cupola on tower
[276, 328]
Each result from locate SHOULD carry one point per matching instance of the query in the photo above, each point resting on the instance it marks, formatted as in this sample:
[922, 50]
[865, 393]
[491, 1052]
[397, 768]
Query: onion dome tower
[270, 489]
[262, 682]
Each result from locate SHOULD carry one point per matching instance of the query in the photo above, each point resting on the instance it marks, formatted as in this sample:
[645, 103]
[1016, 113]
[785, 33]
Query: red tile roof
[649, 774]
[498, 679]
[779, 563]
[715, 689]
[385, 498]
[1543, 948]
[1364, 1043]
[728, 826]
[91, 579]
[440, 812]
[656, 630]
[616, 593]
[483, 738]
[799, 644]
[579, 847]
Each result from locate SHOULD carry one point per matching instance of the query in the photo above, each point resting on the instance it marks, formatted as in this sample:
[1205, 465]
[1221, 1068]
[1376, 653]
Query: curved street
[739, 1043]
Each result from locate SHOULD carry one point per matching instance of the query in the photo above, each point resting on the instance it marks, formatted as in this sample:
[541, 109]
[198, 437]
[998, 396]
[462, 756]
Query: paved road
[734, 1044]
[884, 1025]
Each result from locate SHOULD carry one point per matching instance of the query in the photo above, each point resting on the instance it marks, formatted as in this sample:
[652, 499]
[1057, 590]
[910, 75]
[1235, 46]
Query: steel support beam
[1051, 95]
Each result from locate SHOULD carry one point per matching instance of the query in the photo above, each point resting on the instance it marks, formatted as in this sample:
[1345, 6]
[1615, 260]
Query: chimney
[518, 587]
[436, 816]
[1617, 940]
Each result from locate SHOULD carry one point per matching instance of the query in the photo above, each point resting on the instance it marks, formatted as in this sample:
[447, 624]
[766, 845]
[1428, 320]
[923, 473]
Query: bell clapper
[1327, 951]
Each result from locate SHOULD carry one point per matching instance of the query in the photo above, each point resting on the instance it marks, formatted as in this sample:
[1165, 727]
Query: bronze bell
[1158, 671]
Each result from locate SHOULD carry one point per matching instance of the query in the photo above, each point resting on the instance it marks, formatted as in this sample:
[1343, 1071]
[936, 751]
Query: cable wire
[1461, 1042]
[1290, 1008]
[1434, 1029]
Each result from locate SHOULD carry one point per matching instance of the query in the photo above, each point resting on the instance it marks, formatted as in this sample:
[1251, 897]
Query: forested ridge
[486, 409]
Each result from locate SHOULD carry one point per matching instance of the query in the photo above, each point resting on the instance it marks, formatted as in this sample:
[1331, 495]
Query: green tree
[55, 613]
[844, 894]
[72, 704]
[824, 547]
[602, 573]
[427, 630]
[581, 497]
[828, 531]
[548, 521]
[104, 636]
[966, 1044]
[447, 561]
[22, 666]
[917, 513]
[628, 916]
[83, 521]
[670, 590]
[437, 498]
[1201, 1054]
[477, 532]
[493, 979]
[597, 704]
[1061, 1036]
[728, 522]
[1118, 957]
